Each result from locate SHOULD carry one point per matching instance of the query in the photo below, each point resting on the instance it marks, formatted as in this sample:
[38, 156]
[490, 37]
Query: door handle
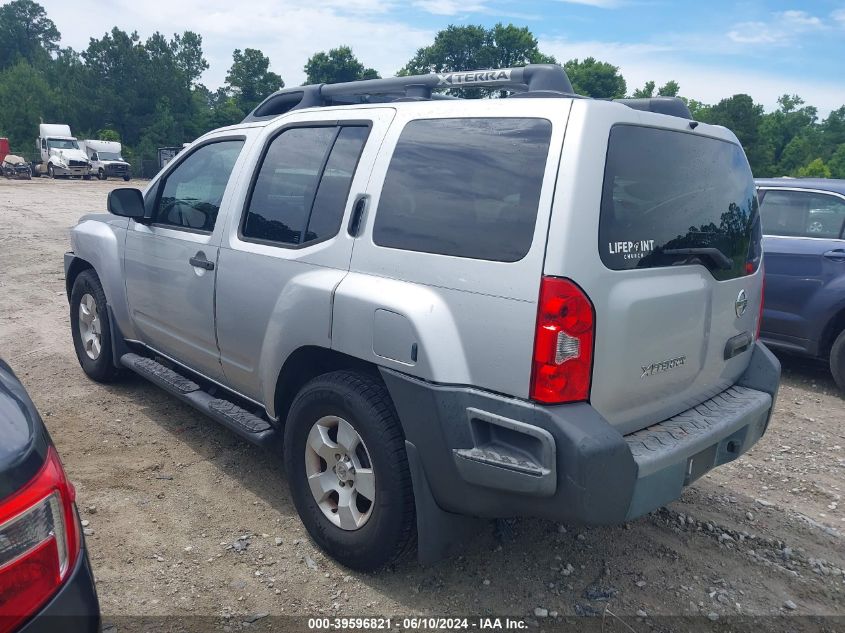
[837, 255]
[200, 261]
[355, 221]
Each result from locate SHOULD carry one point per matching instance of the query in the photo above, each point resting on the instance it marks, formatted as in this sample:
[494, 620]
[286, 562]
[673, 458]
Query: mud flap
[440, 534]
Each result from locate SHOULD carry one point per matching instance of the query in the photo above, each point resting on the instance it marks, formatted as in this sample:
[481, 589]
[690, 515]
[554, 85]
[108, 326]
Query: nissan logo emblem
[741, 303]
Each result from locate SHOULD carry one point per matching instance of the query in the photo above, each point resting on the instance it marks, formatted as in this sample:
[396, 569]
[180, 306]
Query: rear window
[464, 187]
[675, 198]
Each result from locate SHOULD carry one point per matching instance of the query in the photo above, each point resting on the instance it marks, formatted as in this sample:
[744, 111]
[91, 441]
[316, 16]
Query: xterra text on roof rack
[446, 309]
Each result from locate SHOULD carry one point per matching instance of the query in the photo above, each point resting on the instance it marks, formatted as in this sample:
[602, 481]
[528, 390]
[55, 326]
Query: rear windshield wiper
[721, 260]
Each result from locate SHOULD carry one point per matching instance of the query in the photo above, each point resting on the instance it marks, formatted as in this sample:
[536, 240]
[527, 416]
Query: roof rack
[533, 80]
[545, 79]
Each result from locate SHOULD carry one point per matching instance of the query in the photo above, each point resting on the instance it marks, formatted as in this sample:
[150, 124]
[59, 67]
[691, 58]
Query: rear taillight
[563, 343]
[39, 543]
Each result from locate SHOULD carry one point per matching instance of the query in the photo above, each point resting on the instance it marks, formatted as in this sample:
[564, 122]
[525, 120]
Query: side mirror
[127, 203]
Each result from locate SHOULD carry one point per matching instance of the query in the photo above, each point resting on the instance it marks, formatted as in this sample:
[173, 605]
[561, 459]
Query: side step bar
[250, 427]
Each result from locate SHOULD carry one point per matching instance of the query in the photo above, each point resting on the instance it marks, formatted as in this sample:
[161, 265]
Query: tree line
[148, 93]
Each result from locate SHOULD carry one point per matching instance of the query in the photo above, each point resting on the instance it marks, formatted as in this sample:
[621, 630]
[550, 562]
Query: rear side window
[302, 186]
[802, 214]
[464, 187]
[673, 198]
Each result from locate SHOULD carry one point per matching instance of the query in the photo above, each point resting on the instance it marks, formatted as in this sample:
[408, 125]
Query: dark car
[46, 582]
[804, 250]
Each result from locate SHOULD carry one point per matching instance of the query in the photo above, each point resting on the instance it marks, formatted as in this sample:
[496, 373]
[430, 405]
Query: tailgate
[674, 272]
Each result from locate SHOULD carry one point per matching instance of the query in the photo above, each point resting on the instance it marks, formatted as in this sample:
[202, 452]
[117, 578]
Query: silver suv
[439, 310]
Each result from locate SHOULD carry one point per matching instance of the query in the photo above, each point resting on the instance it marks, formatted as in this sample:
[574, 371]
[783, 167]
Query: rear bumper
[74, 609]
[491, 456]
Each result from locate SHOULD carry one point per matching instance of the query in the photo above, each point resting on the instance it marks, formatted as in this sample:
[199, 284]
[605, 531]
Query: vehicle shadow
[807, 372]
[258, 470]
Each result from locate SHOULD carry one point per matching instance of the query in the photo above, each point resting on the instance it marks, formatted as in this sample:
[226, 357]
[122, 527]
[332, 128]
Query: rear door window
[674, 198]
[301, 188]
[464, 187]
[802, 214]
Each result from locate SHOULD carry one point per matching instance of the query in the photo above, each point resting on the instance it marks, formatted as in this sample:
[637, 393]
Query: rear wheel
[837, 360]
[90, 328]
[348, 470]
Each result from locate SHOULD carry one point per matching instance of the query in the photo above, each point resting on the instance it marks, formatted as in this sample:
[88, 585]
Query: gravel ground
[184, 518]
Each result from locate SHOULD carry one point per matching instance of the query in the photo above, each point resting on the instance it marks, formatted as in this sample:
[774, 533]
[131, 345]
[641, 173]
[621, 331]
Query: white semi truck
[106, 159]
[60, 153]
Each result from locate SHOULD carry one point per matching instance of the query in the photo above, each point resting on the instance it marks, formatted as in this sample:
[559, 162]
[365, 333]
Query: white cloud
[783, 29]
[287, 31]
[450, 7]
[640, 63]
[602, 4]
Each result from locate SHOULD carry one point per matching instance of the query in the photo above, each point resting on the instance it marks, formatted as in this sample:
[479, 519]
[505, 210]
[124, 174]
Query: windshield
[62, 143]
[673, 198]
[109, 156]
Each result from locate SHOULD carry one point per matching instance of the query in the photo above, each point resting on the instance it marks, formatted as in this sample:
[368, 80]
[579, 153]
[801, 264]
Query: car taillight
[39, 542]
[563, 343]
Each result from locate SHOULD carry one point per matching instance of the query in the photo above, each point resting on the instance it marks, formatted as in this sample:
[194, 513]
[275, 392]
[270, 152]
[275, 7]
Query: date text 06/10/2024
[416, 623]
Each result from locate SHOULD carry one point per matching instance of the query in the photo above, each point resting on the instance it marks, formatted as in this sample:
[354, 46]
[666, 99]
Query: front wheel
[837, 360]
[90, 328]
[348, 470]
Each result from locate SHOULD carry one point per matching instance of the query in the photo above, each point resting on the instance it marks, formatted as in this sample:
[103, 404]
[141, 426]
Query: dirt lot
[184, 518]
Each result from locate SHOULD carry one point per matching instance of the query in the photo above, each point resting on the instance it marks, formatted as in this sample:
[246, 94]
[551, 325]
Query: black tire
[837, 360]
[102, 368]
[389, 535]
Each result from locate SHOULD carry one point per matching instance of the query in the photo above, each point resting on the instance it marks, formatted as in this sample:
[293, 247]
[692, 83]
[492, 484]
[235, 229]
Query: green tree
[743, 117]
[646, 91]
[336, 66]
[250, 79]
[187, 50]
[670, 89]
[594, 78]
[777, 130]
[25, 95]
[836, 164]
[474, 47]
[107, 134]
[26, 33]
[814, 169]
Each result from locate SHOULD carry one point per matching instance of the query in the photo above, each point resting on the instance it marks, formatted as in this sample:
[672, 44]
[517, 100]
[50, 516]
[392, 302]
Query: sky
[713, 49]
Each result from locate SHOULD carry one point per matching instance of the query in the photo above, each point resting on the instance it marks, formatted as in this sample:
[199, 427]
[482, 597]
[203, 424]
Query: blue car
[804, 310]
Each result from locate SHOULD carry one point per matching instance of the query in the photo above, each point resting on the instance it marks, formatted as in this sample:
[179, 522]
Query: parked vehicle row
[63, 156]
[408, 300]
